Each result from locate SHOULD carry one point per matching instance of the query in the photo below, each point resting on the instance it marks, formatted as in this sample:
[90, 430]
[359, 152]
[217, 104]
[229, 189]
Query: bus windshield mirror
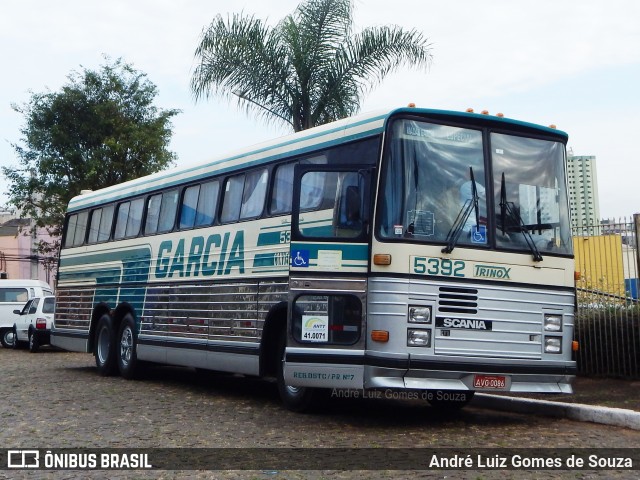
[509, 211]
[463, 215]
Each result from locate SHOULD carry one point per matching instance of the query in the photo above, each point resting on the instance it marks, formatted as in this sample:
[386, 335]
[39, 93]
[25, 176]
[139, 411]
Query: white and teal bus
[409, 251]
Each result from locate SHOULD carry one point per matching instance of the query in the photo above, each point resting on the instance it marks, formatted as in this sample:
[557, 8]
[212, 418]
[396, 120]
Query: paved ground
[604, 392]
[56, 400]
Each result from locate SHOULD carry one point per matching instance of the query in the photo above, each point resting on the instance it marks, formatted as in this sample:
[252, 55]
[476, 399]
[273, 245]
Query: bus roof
[341, 131]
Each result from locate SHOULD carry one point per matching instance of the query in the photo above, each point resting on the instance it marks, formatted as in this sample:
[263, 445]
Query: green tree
[99, 130]
[309, 69]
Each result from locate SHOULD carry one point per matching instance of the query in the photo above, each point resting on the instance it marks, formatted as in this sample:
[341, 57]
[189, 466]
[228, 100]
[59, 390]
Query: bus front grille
[458, 300]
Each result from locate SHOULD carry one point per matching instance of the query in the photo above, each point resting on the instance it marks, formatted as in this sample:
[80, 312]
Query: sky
[572, 63]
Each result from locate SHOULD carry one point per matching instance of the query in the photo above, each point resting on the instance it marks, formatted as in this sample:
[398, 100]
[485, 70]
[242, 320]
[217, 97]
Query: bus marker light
[577, 276]
[412, 105]
[575, 346]
[380, 335]
[552, 126]
[501, 115]
[382, 259]
[485, 112]
[469, 110]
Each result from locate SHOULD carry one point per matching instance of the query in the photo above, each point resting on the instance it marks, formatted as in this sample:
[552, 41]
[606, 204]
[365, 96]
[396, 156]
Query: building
[19, 258]
[583, 193]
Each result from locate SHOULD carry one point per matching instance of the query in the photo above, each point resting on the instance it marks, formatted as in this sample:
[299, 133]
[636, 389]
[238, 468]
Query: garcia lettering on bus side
[213, 255]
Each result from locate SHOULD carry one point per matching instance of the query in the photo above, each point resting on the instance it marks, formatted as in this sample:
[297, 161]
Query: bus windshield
[530, 196]
[435, 187]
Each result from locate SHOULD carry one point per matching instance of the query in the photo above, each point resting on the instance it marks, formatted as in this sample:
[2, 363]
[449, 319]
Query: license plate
[495, 382]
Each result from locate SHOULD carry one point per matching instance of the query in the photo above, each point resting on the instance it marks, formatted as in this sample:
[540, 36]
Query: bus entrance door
[328, 271]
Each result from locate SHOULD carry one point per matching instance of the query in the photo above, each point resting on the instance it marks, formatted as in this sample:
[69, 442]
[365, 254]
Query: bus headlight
[418, 338]
[552, 322]
[552, 345]
[420, 314]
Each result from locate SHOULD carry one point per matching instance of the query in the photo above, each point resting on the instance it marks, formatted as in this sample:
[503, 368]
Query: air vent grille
[458, 300]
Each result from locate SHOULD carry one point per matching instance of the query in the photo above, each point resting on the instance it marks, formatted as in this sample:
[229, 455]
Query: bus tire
[7, 337]
[449, 400]
[296, 399]
[105, 346]
[127, 348]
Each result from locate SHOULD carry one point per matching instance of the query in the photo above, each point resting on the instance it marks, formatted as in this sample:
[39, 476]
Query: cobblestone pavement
[57, 400]
[601, 391]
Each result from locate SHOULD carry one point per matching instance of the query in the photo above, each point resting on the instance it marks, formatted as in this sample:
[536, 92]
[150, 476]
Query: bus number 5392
[438, 266]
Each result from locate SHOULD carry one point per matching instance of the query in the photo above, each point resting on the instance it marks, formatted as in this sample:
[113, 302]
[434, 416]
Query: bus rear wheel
[296, 399]
[126, 348]
[104, 346]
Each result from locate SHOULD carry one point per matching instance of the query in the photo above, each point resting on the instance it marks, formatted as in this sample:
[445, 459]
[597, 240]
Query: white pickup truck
[33, 325]
[13, 295]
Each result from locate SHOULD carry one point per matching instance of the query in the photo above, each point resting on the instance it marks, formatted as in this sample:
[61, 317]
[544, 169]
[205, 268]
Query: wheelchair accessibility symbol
[479, 234]
[300, 259]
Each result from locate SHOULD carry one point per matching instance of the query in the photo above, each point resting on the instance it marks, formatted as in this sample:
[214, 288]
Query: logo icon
[492, 271]
[23, 459]
[300, 258]
[479, 234]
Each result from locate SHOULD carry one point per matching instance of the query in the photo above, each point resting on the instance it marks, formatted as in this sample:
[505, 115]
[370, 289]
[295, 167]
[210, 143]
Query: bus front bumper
[459, 375]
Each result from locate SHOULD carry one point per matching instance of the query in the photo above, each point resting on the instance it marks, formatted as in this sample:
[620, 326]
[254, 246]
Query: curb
[620, 417]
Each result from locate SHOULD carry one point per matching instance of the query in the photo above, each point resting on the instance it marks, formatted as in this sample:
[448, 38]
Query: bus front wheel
[104, 346]
[296, 399]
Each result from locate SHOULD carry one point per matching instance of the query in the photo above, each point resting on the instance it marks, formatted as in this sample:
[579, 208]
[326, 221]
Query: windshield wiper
[463, 215]
[509, 208]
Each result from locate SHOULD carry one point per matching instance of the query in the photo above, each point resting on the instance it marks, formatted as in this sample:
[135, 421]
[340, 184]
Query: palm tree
[309, 69]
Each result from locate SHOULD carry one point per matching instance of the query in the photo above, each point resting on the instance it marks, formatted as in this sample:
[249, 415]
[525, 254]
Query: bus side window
[76, 229]
[153, 214]
[189, 206]
[121, 220]
[232, 200]
[100, 224]
[282, 194]
[71, 230]
[135, 217]
[94, 225]
[207, 203]
[255, 190]
[168, 209]
[129, 219]
[199, 204]
[161, 212]
[106, 221]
